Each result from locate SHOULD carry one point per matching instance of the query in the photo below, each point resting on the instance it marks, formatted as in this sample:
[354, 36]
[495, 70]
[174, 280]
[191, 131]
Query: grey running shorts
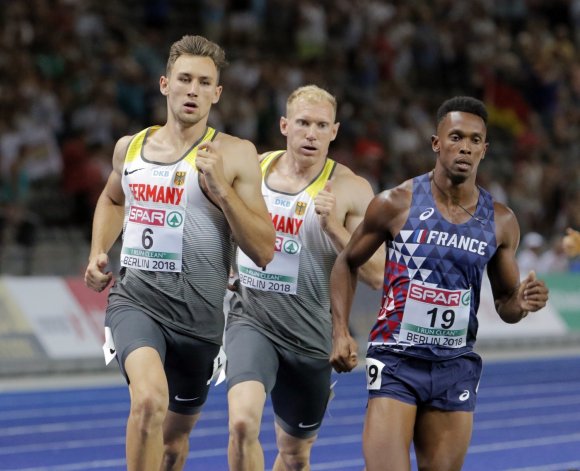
[299, 385]
[188, 362]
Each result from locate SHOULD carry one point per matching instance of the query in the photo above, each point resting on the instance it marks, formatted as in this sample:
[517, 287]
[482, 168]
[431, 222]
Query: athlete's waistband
[421, 351]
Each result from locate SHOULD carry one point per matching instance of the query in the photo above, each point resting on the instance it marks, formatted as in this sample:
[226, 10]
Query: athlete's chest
[158, 183]
[291, 213]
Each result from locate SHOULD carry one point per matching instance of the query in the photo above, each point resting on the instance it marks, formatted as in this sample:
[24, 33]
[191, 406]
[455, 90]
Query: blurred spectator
[529, 254]
[554, 259]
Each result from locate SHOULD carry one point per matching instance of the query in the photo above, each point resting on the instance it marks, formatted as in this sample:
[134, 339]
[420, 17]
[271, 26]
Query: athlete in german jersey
[278, 337]
[441, 231]
[182, 194]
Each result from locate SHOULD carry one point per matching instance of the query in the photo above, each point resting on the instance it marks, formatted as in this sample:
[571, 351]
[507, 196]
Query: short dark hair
[465, 104]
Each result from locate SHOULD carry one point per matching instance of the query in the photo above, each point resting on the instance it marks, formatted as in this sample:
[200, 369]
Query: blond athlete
[278, 338]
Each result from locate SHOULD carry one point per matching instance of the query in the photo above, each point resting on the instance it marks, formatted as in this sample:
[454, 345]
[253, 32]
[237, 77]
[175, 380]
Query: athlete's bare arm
[571, 242]
[107, 221]
[384, 217]
[233, 177]
[513, 299]
[341, 207]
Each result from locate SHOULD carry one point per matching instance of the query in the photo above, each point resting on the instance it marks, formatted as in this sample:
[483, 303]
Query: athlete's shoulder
[344, 176]
[389, 209]
[124, 141]
[235, 144]
[399, 195]
[503, 214]
[121, 148]
[506, 222]
[263, 155]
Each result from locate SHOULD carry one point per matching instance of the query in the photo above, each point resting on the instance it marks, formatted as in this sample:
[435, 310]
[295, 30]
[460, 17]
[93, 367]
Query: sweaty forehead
[463, 121]
[195, 65]
[314, 110]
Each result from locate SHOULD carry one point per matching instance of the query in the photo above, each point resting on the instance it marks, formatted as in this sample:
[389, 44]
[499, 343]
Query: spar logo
[174, 219]
[291, 247]
[441, 297]
[466, 298]
[151, 217]
[286, 245]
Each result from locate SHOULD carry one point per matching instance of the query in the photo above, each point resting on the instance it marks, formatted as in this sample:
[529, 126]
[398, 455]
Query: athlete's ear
[218, 93]
[335, 127]
[163, 85]
[284, 125]
[435, 143]
[485, 147]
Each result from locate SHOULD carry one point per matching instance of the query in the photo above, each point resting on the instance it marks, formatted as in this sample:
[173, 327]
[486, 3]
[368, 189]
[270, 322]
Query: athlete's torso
[289, 300]
[177, 249]
[433, 278]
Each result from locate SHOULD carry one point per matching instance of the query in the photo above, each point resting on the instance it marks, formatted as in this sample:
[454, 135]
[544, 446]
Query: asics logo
[426, 214]
[464, 396]
[302, 425]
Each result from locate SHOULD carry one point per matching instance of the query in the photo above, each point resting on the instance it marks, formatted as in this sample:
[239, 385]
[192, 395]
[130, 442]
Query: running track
[527, 418]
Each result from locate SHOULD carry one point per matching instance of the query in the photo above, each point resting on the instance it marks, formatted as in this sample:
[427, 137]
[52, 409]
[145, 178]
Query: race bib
[281, 275]
[435, 316]
[153, 239]
[109, 346]
[374, 370]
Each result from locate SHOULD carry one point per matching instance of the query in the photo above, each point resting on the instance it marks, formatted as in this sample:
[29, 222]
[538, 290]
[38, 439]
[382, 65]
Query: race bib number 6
[153, 239]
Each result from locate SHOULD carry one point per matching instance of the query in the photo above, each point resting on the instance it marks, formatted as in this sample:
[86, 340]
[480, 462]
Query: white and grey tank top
[289, 300]
[177, 247]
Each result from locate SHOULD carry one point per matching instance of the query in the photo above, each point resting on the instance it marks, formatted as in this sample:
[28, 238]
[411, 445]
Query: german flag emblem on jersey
[300, 208]
[179, 178]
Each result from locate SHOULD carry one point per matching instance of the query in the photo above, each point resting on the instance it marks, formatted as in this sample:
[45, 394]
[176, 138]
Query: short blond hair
[196, 46]
[311, 93]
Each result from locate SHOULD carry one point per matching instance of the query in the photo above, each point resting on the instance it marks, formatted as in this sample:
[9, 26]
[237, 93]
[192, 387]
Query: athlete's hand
[344, 355]
[209, 162]
[532, 293]
[325, 205]
[234, 284]
[571, 242]
[95, 276]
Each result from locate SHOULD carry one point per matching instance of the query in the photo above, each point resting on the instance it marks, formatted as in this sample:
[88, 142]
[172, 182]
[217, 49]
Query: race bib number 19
[435, 316]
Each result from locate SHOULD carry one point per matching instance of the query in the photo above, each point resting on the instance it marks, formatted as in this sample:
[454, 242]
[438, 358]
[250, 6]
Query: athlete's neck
[291, 175]
[300, 167]
[465, 196]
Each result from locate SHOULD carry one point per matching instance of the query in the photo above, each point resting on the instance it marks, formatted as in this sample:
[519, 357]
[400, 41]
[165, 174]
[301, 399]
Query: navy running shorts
[449, 385]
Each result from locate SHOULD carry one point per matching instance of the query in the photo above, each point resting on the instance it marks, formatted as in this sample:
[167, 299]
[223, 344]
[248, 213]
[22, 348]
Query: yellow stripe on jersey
[266, 161]
[209, 135]
[136, 144]
[318, 184]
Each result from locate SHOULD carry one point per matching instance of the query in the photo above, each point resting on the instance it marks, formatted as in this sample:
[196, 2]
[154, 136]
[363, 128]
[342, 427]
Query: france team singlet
[289, 300]
[433, 279]
[177, 250]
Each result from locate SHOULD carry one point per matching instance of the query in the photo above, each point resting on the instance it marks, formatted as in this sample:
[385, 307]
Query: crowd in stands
[75, 75]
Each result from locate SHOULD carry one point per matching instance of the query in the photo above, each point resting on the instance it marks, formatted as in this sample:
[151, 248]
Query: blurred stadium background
[75, 75]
